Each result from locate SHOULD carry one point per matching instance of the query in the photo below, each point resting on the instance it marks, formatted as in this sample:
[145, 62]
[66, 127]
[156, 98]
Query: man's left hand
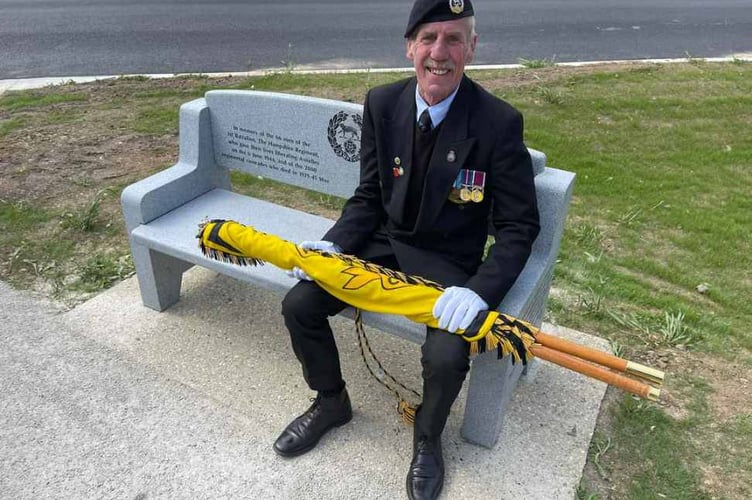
[457, 307]
[324, 246]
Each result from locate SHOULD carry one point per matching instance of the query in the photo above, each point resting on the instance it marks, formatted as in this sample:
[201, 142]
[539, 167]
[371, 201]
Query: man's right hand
[323, 245]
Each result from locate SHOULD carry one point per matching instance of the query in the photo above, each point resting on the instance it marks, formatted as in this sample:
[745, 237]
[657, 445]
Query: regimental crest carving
[344, 135]
[456, 6]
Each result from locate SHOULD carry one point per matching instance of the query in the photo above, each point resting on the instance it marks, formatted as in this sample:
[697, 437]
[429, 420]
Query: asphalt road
[90, 37]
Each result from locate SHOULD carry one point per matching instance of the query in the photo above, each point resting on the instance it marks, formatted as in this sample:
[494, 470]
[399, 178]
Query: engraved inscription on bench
[266, 151]
[308, 142]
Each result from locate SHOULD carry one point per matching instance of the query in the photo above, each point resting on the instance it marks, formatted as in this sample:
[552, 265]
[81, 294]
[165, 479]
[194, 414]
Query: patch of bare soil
[60, 163]
[731, 382]
[729, 401]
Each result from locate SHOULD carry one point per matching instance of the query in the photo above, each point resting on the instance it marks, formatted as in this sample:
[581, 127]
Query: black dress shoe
[426, 475]
[305, 431]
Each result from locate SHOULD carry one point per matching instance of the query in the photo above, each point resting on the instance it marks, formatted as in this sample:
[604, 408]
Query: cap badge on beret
[456, 6]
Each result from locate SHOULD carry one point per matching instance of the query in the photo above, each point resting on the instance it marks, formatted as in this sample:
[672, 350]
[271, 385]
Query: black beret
[431, 11]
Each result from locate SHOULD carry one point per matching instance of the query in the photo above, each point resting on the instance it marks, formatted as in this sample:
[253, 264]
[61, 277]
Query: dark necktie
[424, 122]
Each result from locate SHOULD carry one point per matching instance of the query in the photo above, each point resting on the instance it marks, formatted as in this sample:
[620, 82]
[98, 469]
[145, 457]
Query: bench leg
[491, 384]
[159, 276]
[531, 370]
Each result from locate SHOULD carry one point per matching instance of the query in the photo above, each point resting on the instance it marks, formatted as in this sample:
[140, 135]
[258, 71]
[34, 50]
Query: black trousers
[444, 357]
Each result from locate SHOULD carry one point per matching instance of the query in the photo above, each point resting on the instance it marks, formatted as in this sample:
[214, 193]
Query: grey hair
[471, 27]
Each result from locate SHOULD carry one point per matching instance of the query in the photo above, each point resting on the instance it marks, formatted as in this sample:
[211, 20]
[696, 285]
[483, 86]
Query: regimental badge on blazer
[469, 186]
[397, 168]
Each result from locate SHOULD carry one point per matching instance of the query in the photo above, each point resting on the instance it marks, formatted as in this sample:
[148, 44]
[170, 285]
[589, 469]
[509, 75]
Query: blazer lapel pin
[397, 169]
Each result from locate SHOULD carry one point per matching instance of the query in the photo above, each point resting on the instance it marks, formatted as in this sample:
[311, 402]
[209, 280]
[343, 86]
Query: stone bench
[311, 143]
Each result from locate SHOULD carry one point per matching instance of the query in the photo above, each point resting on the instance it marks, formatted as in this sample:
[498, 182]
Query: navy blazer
[481, 133]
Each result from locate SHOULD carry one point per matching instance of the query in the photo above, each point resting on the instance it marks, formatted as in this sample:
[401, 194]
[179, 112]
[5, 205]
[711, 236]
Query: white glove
[457, 307]
[323, 245]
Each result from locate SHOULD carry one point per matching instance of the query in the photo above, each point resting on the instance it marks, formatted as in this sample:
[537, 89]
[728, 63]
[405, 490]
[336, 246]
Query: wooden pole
[597, 372]
[602, 358]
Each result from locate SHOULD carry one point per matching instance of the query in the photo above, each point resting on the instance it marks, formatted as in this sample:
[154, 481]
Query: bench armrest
[528, 296]
[194, 174]
[526, 300]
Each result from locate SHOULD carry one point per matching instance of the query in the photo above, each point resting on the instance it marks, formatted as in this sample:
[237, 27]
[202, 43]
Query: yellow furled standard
[363, 285]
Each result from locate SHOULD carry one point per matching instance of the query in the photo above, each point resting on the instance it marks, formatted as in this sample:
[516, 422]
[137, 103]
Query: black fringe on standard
[219, 255]
[502, 330]
[232, 259]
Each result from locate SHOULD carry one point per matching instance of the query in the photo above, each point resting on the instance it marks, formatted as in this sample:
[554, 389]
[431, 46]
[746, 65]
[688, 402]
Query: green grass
[36, 99]
[18, 217]
[267, 189]
[11, 124]
[643, 429]
[58, 117]
[346, 87]
[662, 163]
[157, 120]
[584, 494]
[86, 218]
[101, 271]
[536, 63]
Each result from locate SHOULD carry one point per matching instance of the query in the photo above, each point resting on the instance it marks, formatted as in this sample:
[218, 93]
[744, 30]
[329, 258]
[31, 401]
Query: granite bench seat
[310, 143]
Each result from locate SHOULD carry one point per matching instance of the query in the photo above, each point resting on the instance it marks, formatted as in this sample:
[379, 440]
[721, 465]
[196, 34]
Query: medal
[479, 183]
[465, 194]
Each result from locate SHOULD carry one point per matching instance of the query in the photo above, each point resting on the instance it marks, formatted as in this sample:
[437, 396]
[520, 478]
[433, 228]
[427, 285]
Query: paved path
[113, 400]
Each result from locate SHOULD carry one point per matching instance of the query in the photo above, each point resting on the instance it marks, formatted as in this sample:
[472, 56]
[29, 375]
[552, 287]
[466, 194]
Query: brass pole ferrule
[645, 372]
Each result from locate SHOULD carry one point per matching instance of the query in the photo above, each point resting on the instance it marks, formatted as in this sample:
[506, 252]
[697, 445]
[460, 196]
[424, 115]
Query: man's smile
[437, 71]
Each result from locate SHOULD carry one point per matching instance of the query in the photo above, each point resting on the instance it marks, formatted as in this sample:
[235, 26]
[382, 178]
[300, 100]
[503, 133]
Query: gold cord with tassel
[404, 408]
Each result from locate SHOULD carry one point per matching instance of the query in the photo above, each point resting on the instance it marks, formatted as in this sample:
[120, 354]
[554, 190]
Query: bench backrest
[304, 141]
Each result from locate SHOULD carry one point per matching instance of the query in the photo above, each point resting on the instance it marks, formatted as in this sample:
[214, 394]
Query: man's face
[439, 52]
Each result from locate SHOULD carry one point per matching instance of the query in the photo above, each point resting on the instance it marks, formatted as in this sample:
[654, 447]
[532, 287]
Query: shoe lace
[425, 445]
[314, 405]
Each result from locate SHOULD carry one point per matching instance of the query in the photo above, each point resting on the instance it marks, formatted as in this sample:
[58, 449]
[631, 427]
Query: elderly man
[440, 159]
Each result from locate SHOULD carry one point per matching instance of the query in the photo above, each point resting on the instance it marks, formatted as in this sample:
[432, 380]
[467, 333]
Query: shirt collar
[438, 111]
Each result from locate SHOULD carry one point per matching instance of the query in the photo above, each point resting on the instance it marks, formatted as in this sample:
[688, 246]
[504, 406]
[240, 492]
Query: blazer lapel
[399, 144]
[452, 144]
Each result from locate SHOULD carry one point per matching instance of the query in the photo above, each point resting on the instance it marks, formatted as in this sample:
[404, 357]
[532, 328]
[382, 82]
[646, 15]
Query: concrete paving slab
[212, 381]
[81, 420]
